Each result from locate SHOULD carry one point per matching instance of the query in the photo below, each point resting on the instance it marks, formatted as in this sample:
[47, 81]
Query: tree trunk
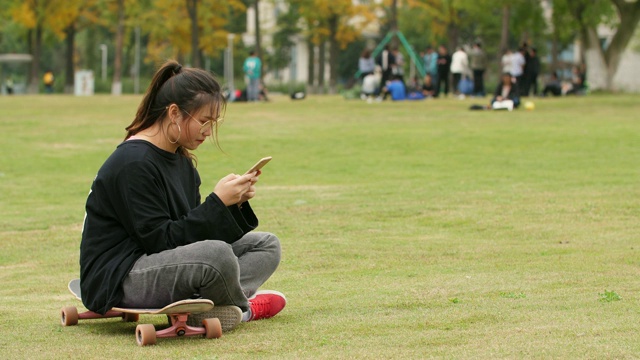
[333, 54]
[258, 49]
[116, 86]
[393, 23]
[311, 68]
[69, 72]
[192, 9]
[35, 63]
[90, 58]
[598, 75]
[322, 58]
[504, 34]
[554, 51]
[629, 18]
[453, 30]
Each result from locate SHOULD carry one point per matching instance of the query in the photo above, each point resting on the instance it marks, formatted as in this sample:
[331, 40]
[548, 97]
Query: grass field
[409, 230]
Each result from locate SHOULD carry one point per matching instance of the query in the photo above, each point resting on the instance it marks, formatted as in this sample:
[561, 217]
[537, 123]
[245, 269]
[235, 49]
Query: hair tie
[177, 69]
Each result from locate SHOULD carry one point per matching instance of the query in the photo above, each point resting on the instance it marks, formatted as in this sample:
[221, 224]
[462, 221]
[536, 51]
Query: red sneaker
[266, 303]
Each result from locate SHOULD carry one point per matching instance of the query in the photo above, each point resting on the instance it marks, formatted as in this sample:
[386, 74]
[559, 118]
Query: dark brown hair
[189, 88]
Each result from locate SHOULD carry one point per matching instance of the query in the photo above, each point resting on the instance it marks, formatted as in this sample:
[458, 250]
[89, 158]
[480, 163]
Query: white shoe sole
[230, 316]
[272, 292]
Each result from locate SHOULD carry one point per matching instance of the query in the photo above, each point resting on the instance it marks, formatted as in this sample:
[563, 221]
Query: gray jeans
[253, 90]
[223, 273]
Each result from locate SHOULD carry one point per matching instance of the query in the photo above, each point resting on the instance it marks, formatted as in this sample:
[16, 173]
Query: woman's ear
[173, 112]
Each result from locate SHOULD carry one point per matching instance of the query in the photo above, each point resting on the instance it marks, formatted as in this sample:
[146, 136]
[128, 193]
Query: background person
[366, 63]
[8, 84]
[578, 82]
[505, 62]
[478, 60]
[459, 67]
[553, 86]
[48, 80]
[444, 64]
[506, 95]
[148, 237]
[430, 60]
[371, 84]
[252, 69]
[517, 66]
[428, 87]
[534, 72]
[395, 87]
[398, 67]
[387, 62]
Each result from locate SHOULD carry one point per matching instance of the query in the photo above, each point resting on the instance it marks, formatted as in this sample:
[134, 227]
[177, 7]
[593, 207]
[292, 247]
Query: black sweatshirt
[145, 200]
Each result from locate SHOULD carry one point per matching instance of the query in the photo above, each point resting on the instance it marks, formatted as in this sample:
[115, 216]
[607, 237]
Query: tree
[31, 14]
[60, 18]
[65, 19]
[288, 27]
[621, 15]
[192, 10]
[167, 29]
[339, 22]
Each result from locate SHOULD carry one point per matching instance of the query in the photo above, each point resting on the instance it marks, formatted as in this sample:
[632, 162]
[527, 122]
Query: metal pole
[104, 50]
[293, 66]
[136, 79]
[230, 80]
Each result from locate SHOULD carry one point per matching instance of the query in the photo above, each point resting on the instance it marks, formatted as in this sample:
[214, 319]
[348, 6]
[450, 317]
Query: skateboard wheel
[213, 328]
[69, 316]
[129, 317]
[145, 334]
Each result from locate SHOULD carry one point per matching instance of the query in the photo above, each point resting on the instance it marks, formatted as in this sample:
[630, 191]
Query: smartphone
[259, 164]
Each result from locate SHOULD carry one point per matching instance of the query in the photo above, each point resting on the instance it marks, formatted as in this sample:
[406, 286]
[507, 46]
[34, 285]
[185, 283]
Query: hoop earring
[179, 132]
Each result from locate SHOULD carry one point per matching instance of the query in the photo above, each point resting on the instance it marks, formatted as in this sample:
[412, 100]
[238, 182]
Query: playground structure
[412, 54]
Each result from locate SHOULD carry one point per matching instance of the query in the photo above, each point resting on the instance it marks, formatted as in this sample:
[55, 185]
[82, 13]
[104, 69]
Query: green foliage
[288, 27]
[609, 296]
[348, 59]
[512, 295]
[415, 26]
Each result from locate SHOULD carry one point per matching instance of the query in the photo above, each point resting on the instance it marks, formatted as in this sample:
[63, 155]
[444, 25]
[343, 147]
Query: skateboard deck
[192, 306]
[146, 334]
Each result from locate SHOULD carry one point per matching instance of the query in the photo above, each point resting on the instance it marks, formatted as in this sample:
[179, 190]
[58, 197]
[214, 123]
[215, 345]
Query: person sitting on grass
[506, 96]
[578, 82]
[428, 88]
[148, 237]
[553, 86]
[395, 88]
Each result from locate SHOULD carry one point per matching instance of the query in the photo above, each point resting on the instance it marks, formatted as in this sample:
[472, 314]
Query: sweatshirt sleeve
[143, 201]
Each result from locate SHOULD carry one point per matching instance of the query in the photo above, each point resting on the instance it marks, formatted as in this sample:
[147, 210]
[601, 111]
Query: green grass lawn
[409, 230]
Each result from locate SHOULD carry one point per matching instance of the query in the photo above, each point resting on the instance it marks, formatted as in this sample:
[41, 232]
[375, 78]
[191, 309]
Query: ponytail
[147, 115]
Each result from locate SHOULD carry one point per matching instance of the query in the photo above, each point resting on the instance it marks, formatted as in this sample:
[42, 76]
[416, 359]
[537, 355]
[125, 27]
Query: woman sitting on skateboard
[150, 240]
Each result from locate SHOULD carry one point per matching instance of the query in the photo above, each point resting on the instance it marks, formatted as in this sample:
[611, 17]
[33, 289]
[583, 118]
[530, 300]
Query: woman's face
[199, 125]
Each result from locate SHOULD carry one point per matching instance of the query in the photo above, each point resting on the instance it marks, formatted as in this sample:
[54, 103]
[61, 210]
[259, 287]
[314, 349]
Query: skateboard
[146, 334]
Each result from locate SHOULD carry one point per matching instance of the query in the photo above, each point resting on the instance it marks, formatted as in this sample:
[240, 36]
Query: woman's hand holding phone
[235, 189]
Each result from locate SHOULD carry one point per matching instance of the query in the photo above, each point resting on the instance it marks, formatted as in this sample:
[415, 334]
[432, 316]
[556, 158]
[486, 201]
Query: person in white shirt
[459, 67]
[517, 66]
[506, 61]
